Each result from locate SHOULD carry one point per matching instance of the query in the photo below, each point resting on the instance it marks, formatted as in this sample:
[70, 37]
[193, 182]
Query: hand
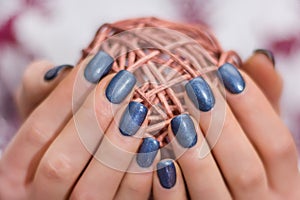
[255, 156]
[51, 156]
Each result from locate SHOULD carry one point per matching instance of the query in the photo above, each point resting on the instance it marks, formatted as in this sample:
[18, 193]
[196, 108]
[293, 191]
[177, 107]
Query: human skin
[255, 157]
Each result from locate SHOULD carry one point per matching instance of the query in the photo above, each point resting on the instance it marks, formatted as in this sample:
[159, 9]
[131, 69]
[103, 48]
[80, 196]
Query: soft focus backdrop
[57, 30]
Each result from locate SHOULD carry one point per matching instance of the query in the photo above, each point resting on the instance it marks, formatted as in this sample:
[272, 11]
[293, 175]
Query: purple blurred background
[57, 30]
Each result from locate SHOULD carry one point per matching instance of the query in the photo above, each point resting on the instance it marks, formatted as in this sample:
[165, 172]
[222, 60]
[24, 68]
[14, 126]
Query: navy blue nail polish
[267, 53]
[132, 119]
[166, 172]
[200, 94]
[184, 130]
[232, 79]
[52, 73]
[147, 152]
[120, 86]
[98, 67]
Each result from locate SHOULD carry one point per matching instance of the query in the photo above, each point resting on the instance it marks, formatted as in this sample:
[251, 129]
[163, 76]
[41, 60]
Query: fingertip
[183, 129]
[147, 152]
[35, 71]
[53, 72]
[267, 53]
[167, 173]
[260, 67]
[168, 181]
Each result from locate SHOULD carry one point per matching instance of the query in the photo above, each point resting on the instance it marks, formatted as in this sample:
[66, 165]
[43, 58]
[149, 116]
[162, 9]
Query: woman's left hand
[78, 144]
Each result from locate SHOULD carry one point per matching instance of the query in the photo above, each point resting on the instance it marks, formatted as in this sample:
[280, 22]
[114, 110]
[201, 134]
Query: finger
[104, 173]
[137, 182]
[266, 131]
[36, 86]
[168, 182]
[236, 157]
[72, 149]
[34, 137]
[260, 67]
[194, 166]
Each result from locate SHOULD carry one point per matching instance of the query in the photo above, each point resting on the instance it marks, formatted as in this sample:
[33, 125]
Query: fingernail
[120, 86]
[267, 53]
[132, 118]
[184, 130]
[52, 73]
[232, 79]
[166, 172]
[200, 94]
[98, 67]
[147, 152]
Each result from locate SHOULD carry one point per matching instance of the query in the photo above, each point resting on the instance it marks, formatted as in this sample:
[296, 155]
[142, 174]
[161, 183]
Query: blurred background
[57, 30]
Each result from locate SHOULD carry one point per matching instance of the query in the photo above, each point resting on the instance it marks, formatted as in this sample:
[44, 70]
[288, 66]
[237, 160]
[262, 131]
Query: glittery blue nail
[147, 152]
[200, 94]
[232, 79]
[132, 119]
[52, 73]
[166, 172]
[184, 130]
[98, 67]
[120, 86]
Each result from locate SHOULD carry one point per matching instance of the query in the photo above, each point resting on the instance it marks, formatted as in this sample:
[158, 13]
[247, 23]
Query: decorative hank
[163, 55]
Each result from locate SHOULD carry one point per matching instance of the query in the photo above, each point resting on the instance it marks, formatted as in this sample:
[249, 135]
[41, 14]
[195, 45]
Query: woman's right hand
[254, 156]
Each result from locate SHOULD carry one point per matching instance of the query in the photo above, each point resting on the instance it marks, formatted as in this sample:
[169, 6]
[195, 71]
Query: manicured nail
[120, 86]
[52, 73]
[184, 130]
[267, 53]
[132, 118]
[147, 152]
[232, 79]
[200, 94]
[98, 67]
[166, 172]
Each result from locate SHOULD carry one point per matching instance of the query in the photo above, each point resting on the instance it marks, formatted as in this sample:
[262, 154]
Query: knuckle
[139, 186]
[76, 195]
[253, 177]
[105, 110]
[8, 188]
[35, 136]
[3, 182]
[228, 121]
[57, 167]
[88, 107]
[282, 149]
[135, 189]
